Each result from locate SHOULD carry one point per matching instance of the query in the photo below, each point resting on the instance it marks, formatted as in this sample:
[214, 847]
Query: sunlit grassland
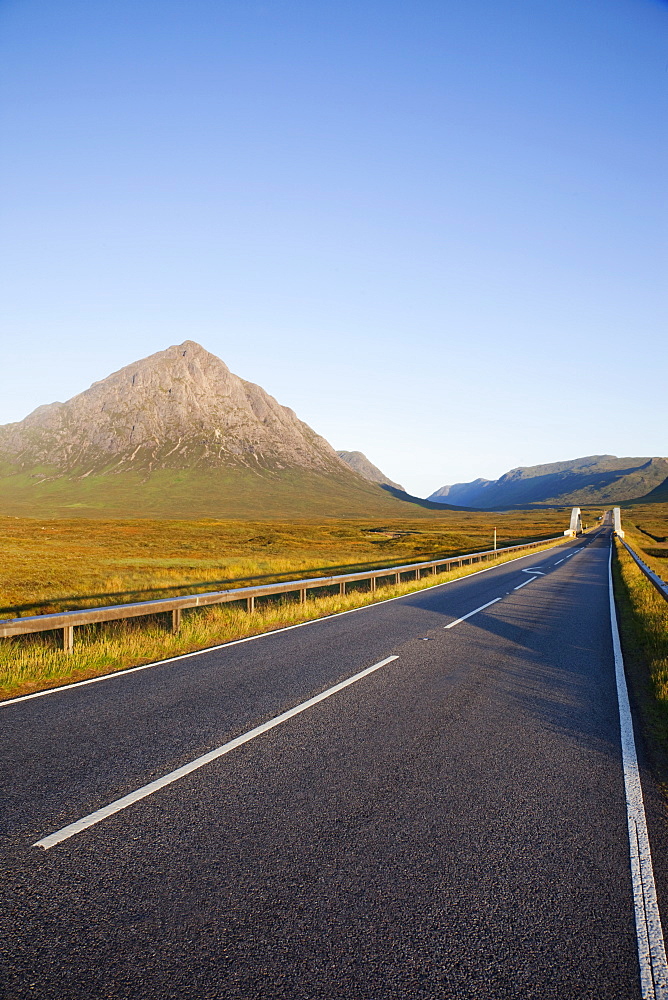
[60, 565]
[644, 632]
[33, 662]
[646, 530]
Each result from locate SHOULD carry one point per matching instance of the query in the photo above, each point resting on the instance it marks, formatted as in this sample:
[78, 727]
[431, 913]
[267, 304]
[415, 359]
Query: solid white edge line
[251, 638]
[649, 933]
[194, 765]
[481, 608]
[525, 583]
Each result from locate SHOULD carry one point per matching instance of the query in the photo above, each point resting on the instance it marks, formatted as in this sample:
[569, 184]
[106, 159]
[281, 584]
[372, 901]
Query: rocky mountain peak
[179, 408]
[359, 463]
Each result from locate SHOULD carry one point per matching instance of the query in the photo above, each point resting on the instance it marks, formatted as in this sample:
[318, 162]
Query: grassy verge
[656, 557]
[646, 529]
[643, 623]
[34, 662]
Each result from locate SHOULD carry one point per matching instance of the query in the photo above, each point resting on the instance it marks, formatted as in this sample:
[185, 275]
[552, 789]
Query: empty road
[451, 823]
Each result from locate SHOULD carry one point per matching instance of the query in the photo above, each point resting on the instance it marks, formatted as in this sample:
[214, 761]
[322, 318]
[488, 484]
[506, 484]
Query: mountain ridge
[358, 461]
[592, 479]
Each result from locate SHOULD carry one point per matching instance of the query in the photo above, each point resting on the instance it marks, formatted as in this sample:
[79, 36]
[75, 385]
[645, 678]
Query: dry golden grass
[646, 530]
[62, 565]
[34, 662]
[644, 630]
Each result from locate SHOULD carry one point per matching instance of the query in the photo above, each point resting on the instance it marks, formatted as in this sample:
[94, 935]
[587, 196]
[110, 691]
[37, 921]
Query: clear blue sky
[436, 230]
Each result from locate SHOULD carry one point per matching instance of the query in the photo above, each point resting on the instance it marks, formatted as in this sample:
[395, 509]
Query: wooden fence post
[342, 589]
[250, 604]
[176, 620]
[302, 595]
[68, 638]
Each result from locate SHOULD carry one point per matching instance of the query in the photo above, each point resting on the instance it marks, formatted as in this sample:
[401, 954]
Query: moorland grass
[34, 662]
[646, 531]
[64, 565]
[643, 621]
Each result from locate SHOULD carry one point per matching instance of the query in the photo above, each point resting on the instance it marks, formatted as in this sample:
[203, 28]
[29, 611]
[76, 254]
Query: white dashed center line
[464, 617]
[194, 765]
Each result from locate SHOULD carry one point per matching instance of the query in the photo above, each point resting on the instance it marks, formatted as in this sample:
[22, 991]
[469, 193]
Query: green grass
[34, 662]
[239, 492]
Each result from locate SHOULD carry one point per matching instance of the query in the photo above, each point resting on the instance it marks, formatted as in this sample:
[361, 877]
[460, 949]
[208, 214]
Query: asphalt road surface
[452, 824]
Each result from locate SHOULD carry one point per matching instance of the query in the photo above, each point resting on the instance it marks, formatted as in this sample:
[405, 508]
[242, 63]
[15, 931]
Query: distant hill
[658, 495]
[178, 434]
[595, 479]
[361, 464]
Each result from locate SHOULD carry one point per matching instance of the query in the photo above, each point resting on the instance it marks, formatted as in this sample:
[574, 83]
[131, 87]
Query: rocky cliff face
[359, 463]
[181, 408]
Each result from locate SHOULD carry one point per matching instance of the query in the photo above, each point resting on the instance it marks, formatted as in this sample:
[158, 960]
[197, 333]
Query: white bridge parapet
[576, 523]
[617, 521]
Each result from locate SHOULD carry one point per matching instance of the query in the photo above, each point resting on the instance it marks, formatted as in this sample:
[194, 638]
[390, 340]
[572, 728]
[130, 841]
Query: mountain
[658, 495]
[359, 463]
[180, 409]
[463, 490]
[595, 479]
[177, 434]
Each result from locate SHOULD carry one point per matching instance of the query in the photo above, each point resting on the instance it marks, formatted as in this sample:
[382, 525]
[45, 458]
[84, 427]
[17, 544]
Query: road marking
[536, 572]
[649, 934]
[464, 617]
[194, 765]
[558, 561]
[251, 638]
[525, 583]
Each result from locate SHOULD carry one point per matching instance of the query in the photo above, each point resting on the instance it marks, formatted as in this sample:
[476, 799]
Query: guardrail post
[302, 595]
[68, 638]
[61, 621]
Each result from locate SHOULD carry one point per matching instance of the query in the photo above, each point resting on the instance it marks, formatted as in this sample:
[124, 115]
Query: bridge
[617, 522]
[576, 524]
[611, 519]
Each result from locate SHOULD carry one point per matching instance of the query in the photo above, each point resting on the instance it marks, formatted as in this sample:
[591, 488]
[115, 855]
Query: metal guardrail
[653, 577]
[68, 620]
